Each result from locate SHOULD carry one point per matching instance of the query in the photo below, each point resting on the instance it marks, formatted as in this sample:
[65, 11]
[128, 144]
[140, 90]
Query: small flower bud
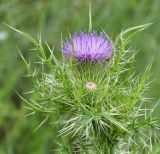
[91, 86]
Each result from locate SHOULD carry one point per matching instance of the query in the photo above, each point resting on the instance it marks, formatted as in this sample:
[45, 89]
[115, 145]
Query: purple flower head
[88, 47]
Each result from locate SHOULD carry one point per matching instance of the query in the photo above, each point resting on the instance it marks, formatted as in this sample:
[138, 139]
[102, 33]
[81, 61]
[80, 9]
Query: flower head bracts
[88, 47]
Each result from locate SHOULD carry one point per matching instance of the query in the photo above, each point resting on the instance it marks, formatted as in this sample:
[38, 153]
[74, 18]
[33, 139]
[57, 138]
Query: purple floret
[88, 47]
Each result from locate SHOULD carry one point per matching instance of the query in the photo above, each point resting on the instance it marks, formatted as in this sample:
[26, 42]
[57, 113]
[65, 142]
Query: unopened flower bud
[91, 86]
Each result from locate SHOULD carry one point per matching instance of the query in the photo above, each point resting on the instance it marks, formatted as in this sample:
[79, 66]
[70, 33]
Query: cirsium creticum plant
[93, 94]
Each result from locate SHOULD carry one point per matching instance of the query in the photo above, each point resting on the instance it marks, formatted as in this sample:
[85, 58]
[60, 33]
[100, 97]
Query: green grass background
[51, 18]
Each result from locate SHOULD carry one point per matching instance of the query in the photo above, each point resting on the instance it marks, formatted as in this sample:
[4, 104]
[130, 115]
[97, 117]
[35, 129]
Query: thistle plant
[92, 91]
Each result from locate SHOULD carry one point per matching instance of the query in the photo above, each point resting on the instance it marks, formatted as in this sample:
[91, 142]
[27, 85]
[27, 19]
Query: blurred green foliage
[51, 18]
